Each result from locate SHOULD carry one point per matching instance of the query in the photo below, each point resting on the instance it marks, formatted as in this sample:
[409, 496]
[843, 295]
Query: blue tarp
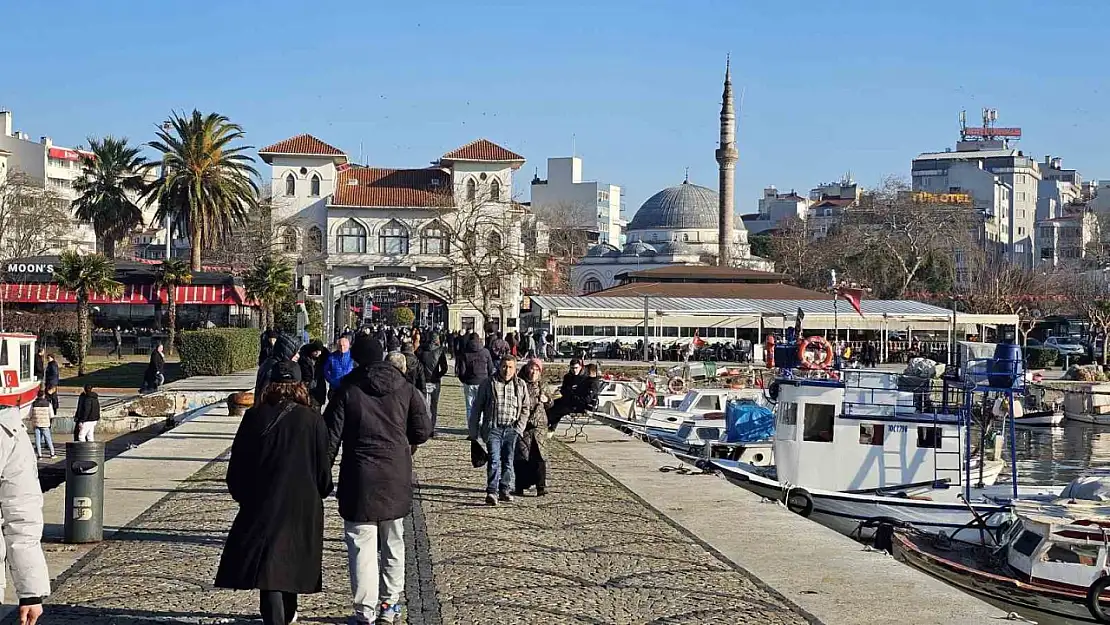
[748, 422]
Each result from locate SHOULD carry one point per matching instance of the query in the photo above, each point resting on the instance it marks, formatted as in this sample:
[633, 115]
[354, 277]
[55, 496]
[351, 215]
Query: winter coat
[319, 390]
[155, 369]
[53, 376]
[338, 365]
[376, 416]
[588, 394]
[21, 511]
[88, 408]
[484, 414]
[279, 475]
[40, 366]
[414, 371]
[434, 362]
[476, 365]
[537, 418]
[284, 349]
[42, 413]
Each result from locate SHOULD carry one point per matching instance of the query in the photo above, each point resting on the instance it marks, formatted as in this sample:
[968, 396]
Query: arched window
[592, 285]
[435, 239]
[495, 191]
[393, 238]
[289, 239]
[493, 242]
[314, 186]
[315, 241]
[471, 190]
[290, 185]
[467, 286]
[352, 238]
[471, 243]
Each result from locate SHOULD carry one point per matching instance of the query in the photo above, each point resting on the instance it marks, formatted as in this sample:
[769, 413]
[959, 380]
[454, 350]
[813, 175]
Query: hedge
[219, 351]
[69, 344]
[1041, 357]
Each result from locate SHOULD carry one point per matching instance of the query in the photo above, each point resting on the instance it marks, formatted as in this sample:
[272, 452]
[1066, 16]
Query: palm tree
[172, 273]
[268, 283]
[86, 275]
[205, 184]
[111, 178]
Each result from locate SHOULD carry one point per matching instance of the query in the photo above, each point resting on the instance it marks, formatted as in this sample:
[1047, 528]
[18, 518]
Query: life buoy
[769, 352]
[820, 343]
[799, 501]
[1094, 593]
[676, 385]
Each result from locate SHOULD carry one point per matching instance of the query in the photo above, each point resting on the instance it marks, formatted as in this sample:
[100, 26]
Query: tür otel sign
[30, 268]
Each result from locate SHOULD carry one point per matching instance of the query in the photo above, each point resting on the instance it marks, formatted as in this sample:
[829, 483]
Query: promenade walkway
[590, 552]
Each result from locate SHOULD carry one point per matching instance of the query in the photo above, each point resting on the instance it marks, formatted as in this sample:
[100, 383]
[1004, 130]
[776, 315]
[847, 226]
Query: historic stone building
[443, 240]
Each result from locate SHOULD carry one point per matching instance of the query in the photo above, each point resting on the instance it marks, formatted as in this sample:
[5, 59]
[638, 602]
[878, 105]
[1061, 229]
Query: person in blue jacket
[338, 365]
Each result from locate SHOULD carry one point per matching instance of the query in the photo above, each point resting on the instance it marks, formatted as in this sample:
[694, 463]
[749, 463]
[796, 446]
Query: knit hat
[367, 350]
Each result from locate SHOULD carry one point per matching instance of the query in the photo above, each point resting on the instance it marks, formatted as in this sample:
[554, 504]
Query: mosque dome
[675, 248]
[682, 207]
[638, 248]
[602, 250]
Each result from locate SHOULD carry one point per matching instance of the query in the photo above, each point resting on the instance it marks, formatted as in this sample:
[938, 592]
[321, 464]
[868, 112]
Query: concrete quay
[615, 542]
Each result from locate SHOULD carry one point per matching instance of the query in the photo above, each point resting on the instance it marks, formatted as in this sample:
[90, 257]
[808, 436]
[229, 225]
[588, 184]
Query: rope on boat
[1014, 616]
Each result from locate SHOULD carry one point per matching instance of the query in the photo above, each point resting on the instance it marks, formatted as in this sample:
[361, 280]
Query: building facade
[774, 209]
[443, 240]
[564, 200]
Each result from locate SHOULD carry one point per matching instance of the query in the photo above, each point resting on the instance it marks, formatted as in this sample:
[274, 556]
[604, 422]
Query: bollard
[84, 520]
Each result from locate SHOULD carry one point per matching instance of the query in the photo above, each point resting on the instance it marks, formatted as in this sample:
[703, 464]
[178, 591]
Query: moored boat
[18, 384]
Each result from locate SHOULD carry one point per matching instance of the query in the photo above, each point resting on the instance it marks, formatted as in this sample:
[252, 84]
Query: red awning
[47, 293]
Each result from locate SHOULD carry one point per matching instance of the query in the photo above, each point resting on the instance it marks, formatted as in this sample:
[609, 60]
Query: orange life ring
[820, 343]
[676, 385]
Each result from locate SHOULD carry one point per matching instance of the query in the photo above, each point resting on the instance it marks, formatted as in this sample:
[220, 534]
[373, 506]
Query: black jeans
[277, 607]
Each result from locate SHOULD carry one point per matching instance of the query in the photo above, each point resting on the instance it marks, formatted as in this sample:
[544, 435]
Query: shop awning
[47, 293]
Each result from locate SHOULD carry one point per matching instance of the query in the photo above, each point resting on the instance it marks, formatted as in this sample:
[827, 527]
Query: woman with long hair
[279, 475]
[531, 446]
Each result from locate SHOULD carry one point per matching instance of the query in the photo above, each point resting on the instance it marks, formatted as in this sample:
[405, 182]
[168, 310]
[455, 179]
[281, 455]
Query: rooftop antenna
[360, 161]
[573, 147]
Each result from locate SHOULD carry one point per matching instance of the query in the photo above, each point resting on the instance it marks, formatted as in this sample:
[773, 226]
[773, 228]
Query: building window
[352, 238]
[315, 242]
[471, 190]
[495, 191]
[315, 284]
[1021, 230]
[314, 186]
[493, 244]
[289, 240]
[435, 239]
[468, 285]
[290, 185]
[1019, 248]
[593, 285]
[393, 238]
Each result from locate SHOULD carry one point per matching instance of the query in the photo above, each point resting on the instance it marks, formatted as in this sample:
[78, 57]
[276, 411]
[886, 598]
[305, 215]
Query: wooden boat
[1051, 560]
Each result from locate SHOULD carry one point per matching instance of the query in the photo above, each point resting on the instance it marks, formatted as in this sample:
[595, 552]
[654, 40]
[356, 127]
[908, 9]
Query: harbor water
[1056, 455]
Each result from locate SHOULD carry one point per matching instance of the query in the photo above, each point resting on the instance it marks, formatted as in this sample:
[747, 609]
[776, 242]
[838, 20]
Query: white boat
[695, 404]
[852, 454]
[1040, 419]
[18, 384]
[1088, 403]
[1052, 560]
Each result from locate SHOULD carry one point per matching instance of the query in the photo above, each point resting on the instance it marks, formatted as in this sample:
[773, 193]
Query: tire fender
[1093, 595]
[799, 501]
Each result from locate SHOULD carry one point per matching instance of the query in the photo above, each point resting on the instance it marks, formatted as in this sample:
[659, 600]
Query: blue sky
[830, 85]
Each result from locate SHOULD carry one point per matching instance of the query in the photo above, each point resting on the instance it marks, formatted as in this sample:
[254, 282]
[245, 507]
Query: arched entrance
[373, 299]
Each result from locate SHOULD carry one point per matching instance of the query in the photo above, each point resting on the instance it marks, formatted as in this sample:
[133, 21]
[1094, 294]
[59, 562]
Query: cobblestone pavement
[587, 553]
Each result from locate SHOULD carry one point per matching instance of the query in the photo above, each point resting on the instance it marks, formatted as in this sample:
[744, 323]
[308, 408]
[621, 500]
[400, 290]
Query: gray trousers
[376, 561]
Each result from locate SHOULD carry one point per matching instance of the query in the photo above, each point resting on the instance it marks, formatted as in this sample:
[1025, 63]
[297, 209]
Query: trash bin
[84, 520]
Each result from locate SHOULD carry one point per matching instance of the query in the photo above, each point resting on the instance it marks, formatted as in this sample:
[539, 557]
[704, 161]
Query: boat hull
[1061, 602]
[1085, 417]
[1044, 419]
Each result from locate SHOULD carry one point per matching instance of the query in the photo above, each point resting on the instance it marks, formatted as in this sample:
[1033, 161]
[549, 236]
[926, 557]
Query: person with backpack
[433, 360]
[473, 368]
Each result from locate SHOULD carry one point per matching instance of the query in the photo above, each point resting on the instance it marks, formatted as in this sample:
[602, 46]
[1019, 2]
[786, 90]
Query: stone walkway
[587, 553]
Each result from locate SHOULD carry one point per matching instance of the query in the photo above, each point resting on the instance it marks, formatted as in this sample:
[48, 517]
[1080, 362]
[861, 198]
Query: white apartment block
[565, 200]
[774, 209]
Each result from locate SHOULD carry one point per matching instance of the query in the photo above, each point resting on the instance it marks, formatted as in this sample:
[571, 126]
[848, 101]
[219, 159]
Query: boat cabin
[18, 384]
[1061, 543]
[865, 433]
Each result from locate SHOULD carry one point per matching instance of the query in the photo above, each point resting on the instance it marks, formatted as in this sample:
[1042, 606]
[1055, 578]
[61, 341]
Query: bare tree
[568, 240]
[32, 219]
[1089, 295]
[798, 256]
[995, 286]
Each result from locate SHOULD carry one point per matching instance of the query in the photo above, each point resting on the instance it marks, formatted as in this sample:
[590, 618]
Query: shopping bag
[478, 455]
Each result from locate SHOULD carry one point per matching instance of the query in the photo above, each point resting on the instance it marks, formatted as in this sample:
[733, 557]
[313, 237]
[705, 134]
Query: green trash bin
[84, 520]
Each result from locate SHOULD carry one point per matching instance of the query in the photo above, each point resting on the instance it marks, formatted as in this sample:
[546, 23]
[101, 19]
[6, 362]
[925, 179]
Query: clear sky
[830, 86]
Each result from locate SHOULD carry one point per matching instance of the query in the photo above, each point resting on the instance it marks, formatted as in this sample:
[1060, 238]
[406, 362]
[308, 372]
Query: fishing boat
[1088, 403]
[18, 384]
[1051, 560]
[874, 448]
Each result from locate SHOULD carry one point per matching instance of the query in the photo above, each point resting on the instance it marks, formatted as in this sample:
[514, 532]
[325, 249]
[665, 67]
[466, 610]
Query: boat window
[4, 353]
[928, 438]
[818, 426]
[1027, 543]
[688, 401]
[709, 434]
[1087, 555]
[684, 431]
[709, 402]
[871, 434]
[24, 362]
[787, 427]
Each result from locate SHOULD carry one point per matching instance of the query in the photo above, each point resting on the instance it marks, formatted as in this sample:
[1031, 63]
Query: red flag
[854, 296]
[698, 342]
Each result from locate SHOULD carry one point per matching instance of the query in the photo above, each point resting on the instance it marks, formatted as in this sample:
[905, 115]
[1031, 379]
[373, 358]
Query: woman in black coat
[279, 474]
[567, 402]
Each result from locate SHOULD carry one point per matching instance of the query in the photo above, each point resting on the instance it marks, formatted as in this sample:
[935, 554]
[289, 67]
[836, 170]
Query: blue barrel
[1007, 367]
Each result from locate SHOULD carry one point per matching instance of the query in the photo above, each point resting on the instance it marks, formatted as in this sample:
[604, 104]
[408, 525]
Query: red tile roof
[302, 144]
[482, 150]
[375, 186]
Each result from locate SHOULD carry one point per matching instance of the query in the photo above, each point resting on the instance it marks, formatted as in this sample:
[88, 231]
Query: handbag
[478, 455]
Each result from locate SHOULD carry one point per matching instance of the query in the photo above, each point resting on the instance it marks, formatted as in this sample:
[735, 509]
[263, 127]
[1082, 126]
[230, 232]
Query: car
[1065, 345]
[1032, 342]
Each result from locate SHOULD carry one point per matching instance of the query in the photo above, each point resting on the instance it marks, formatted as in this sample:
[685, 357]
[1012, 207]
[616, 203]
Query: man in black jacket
[155, 374]
[414, 373]
[87, 415]
[433, 360]
[474, 366]
[379, 419]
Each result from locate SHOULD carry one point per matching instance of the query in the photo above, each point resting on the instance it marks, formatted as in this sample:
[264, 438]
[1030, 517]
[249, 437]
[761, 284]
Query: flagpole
[836, 320]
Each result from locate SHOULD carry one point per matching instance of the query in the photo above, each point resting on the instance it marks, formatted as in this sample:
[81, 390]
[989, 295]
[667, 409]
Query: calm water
[1056, 455]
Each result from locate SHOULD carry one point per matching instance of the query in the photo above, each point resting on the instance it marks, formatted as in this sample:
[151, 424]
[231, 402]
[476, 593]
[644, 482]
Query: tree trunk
[194, 247]
[82, 331]
[172, 300]
[109, 247]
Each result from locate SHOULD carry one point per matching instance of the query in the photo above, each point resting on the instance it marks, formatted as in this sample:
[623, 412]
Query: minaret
[726, 161]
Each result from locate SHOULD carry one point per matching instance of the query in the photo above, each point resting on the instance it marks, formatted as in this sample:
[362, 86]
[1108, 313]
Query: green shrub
[219, 351]
[69, 344]
[403, 317]
[1040, 357]
[315, 320]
